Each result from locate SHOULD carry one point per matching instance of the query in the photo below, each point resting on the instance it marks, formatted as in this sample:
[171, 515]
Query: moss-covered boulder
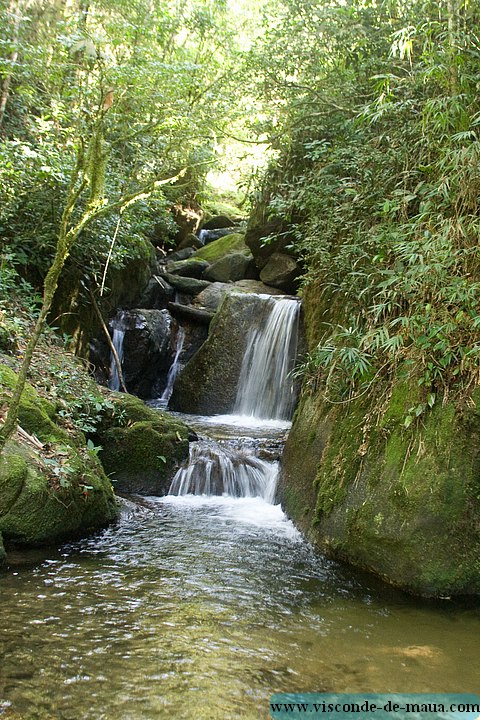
[214, 251]
[36, 414]
[51, 485]
[402, 502]
[141, 447]
[45, 498]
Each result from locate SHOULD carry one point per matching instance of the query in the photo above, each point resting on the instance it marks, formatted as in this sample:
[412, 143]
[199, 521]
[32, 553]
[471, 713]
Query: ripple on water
[197, 607]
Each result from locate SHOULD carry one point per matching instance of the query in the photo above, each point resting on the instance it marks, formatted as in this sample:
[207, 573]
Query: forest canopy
[368, 116]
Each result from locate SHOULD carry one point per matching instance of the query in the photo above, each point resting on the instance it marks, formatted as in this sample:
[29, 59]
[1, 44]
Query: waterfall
[265, 392]
[119, 328]
[265, 388]
[214, 469]
[174, 367]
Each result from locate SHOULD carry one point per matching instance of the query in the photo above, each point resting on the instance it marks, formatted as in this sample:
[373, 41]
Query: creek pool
[200, 608]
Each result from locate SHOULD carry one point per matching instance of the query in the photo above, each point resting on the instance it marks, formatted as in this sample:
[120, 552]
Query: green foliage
[135, 88]
[377, 181]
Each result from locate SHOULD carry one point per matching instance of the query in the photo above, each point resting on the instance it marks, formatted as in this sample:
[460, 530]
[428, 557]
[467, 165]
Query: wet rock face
[208, 383]
[146, 349]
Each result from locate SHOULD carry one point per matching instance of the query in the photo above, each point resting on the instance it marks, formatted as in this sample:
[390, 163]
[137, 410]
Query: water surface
[201, 608]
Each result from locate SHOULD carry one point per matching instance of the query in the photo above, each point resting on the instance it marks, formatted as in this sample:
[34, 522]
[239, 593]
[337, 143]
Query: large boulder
[402, 502]
[141, 447]
[51, 486]
[146, 349]
[187, 285]
[281, 271]
[218, 221]
[230, 268]
[192, 268]
[208, 383]
[218, 249]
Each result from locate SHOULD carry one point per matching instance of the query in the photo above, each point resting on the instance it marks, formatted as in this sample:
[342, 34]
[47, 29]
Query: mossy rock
[36, 414]
[38, 511]
[208, 383]
[226, 245]
[403, 503]
[142, 450]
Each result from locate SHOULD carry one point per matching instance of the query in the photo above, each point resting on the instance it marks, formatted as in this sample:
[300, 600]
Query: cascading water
[265, 392]
[265, 388]
[119, 329]
[174, 368]
[214, 469]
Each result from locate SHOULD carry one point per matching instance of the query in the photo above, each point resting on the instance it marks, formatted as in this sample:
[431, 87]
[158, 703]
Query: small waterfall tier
[216, 469]
[266, 388]
[119, 328]
[174, 368]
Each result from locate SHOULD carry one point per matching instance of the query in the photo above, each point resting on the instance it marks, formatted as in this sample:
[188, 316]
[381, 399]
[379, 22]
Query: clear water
[200, 608]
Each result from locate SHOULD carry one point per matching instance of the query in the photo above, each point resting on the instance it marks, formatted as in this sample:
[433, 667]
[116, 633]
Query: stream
[201, 604]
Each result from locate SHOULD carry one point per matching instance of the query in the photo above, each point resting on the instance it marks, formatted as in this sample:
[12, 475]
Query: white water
[175, 366]
[215, 469]
[265, 387]
[119, 329]
[265, 398]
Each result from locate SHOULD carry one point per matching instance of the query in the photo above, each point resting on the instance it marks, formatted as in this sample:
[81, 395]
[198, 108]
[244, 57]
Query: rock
[281, 271]
[211, 298]
[191, 313]
[232, 243]
[400, 502]
[141, 450]
[146, 349]
[190, 286]
[230, 268]
[190, 242]
[157, 294]
[188, 268]
[255, 286]
[181, 254]
[208, 383]
[50, 493]
[218, 221]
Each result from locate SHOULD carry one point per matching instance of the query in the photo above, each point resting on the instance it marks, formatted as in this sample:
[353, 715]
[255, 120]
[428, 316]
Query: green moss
[13, 474]
[141, 446]
[340, 460]
[42, 513]
[36, 414]
[234, 243]
[401, 502]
